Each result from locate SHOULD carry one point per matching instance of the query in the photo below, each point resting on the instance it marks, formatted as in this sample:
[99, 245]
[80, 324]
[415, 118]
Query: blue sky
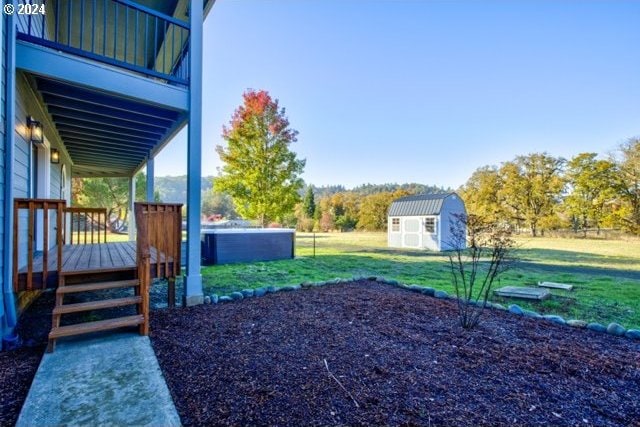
[423, 91]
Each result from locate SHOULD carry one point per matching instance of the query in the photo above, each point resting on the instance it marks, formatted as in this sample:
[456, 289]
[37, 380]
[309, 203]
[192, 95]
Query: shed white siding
[414, 231]
[452, 207]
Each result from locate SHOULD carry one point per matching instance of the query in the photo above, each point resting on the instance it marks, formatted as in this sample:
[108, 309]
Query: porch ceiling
[105, 134]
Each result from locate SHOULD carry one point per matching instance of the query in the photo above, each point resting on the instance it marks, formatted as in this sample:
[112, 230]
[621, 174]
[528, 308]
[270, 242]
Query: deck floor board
[92, 257]
[96, 260]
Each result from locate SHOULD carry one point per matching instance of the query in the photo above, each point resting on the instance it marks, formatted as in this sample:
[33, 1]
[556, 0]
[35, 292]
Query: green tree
[531, 188]
[109, 193]
[593, 185]
[481, 194]
[374, 209]
[214, 203]
[629, 166]
[346, 208]
[260, 172]
[309, 203]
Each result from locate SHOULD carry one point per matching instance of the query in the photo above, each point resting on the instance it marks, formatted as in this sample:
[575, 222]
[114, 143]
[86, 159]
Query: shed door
[411, 232]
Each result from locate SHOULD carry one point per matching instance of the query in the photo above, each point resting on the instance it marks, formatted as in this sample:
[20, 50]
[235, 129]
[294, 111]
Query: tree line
[362, 208]
[261, 180]
[539, 192]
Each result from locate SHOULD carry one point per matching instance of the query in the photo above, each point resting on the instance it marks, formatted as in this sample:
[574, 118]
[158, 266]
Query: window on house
[395, 225]
[430, 225]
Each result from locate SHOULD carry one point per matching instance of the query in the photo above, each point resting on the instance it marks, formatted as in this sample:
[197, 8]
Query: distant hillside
[366, 189]
[173, 189]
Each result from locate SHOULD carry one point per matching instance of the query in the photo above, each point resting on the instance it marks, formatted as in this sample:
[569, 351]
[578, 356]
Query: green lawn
[111, 237]
[605, 273]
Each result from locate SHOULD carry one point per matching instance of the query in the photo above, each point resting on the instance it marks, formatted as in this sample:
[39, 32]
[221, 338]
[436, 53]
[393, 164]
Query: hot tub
[235, 245]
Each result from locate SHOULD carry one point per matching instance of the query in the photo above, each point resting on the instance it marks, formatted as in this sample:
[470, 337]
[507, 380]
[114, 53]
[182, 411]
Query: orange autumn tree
[260, 172]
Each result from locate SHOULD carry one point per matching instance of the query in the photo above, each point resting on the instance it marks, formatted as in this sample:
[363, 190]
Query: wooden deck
[114, 260]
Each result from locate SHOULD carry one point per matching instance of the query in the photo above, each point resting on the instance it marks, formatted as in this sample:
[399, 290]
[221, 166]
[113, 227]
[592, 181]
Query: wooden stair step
[100, 325]
[96, 305]
[97, 286]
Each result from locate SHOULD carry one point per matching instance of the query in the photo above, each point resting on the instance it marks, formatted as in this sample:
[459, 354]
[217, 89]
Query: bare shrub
[480, 252]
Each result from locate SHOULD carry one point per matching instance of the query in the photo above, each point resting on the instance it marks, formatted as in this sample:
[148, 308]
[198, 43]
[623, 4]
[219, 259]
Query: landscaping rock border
[613, 328]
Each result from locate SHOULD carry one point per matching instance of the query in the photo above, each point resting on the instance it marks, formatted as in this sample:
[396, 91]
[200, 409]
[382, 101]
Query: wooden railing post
[45, 241]
[88, 216]
[16, 244]
[33, 206]
[59, 240]
[143, 260]
[30, 236]
[161, 240]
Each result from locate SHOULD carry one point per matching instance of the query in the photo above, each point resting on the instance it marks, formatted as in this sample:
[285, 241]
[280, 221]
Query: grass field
[111, 237]
[606, 274]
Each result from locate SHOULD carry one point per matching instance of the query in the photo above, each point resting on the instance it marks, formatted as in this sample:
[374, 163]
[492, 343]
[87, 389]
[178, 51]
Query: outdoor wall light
[55, 156]
[35, 128]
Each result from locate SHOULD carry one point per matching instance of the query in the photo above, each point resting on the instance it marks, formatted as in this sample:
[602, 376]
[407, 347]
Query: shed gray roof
[418, 204]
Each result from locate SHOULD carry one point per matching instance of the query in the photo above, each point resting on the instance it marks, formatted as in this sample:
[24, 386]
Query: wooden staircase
[159, 228]
[140, 300]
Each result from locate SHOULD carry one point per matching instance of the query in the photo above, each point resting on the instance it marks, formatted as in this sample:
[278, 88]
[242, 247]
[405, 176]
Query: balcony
[152, 42]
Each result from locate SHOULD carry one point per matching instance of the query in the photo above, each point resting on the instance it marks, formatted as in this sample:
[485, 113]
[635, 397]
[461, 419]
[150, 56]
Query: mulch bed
[395, 357]
[18, 367]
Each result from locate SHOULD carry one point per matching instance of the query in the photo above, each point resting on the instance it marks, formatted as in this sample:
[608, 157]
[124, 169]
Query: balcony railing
[121, 33]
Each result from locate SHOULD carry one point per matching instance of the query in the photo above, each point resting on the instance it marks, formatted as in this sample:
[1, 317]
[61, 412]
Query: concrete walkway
[110, 379]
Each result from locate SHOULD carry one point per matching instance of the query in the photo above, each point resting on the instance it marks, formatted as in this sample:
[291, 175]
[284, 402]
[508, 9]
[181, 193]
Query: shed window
[430, 225]
[395, 225]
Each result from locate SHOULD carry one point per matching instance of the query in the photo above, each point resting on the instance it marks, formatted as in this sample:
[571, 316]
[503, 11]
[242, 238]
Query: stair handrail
[159, 237]
[33, 205]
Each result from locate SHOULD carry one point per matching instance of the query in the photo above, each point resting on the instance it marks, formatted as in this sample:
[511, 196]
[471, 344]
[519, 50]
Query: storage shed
[423, 221]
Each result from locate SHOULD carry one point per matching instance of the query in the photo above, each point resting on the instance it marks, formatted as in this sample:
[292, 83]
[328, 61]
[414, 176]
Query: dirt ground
[366, 353]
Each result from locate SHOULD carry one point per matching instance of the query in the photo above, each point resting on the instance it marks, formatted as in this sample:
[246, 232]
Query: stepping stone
[555, 285]
[521, 292]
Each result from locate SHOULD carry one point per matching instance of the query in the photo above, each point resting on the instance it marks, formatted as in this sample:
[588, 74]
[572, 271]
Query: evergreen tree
[309, 203]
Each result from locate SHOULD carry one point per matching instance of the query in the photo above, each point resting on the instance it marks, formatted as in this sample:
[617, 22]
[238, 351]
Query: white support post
[193, 280]
[150, 180]
[132, 215]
